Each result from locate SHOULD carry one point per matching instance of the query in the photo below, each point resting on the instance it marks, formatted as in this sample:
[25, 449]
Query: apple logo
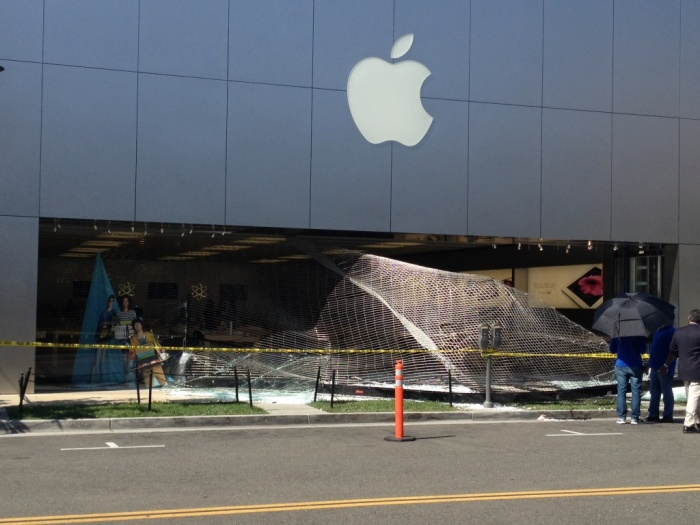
[384, 98]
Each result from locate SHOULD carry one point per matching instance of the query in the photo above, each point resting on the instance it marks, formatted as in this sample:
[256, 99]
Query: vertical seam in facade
[542, 123]
[391, 143]
[469, 111]
[138, 78]
[612, 120]
[311, 118]
[680, 69]
[228, 85]
[41, 105]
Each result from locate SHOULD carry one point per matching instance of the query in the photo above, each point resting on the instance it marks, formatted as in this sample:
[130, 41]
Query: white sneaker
[636, 422]
[620, 421]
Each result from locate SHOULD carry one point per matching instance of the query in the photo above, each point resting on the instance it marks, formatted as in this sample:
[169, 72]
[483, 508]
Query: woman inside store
[145, 354]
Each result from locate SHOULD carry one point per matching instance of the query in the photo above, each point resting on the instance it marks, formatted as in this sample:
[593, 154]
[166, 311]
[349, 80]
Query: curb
[142, 423]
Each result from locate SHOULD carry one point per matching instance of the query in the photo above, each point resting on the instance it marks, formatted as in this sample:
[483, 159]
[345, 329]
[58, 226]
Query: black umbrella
[634, 314]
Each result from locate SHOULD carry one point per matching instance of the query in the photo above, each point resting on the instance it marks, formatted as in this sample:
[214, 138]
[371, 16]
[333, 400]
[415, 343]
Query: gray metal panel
[647, 63]
[350, 178]
[506, 51]
[271, 41]
[689, 213]
[576, 157]
[504, 170]
[441, 43]
[18, 288]
[92, 33]
[20, 138]
[264, 189]
[181, 150]
[347, 32]
[578, 52]
[690, 59]
[21, 29]
[184, 37]
[88, 145]
[429, 181]
[645, 179]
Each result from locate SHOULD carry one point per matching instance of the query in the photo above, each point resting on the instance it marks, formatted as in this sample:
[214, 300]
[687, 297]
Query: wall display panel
[347, 32]
[570, 286]
[271, 41]
[88, 148]
[429, 181]
[645, 179]
[689, 213]
[181, 150]
[578, 52]
[350, 178]
[646, 62]
[184, 37]
[21, 28]
[504, 170]
[264, 189]
[690, 59]
[441, 43]
[18, 289]
[576, 160]
[20, 137]
[92, 33]
[506, 51]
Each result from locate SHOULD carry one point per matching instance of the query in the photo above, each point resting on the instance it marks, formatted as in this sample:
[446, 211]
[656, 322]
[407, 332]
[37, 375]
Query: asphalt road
[491, 472]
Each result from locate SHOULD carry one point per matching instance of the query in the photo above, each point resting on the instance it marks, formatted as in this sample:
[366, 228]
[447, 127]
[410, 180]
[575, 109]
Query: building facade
[559, 120]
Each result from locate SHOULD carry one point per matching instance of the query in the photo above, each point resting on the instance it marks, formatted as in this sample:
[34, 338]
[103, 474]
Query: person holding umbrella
[629, 321]
[685, 345]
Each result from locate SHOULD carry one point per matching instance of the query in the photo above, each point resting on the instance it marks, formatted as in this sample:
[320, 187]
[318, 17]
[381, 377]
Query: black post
[318, 380]
[332, 387]
[235, 380]
[21, 394]
[137, 380]
[23, 382]
[150, 388]
[250, 390]
[449, 382]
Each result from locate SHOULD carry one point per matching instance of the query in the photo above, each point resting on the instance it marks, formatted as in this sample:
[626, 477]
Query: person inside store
[104, 325]
[685, 345]
[661, 384]
[145, 354]
[629, 370]
[123, 330]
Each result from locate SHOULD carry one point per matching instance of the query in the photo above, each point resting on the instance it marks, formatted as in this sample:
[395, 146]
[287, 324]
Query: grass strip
[114, 410]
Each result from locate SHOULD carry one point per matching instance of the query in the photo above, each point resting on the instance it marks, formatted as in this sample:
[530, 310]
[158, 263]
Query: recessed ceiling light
[227, 247]
[268, 261]
[198, 253]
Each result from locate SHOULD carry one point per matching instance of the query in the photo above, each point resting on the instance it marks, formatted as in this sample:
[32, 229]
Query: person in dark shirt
[685, 345]
[661, 384]
[629, 371]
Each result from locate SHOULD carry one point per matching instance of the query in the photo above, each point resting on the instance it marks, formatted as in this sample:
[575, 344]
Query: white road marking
[111, 446]
[571, 433]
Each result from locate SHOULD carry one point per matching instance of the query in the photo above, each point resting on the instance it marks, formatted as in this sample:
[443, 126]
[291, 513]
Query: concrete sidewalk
[277, 413]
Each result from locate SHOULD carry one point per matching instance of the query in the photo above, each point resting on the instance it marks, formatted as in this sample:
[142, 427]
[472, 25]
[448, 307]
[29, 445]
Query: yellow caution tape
[321, 351]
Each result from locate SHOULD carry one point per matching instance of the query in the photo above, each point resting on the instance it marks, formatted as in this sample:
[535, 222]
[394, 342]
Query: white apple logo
[384, 98]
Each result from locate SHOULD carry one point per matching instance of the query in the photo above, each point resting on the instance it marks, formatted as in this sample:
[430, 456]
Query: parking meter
[484, 336]
[497, 335]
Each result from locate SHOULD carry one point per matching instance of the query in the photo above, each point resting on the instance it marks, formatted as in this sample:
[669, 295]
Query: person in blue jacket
[661, 384]
[629, 370]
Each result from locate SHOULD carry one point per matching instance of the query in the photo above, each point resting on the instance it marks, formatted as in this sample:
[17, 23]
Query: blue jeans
[660, 384]
[633, 376]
